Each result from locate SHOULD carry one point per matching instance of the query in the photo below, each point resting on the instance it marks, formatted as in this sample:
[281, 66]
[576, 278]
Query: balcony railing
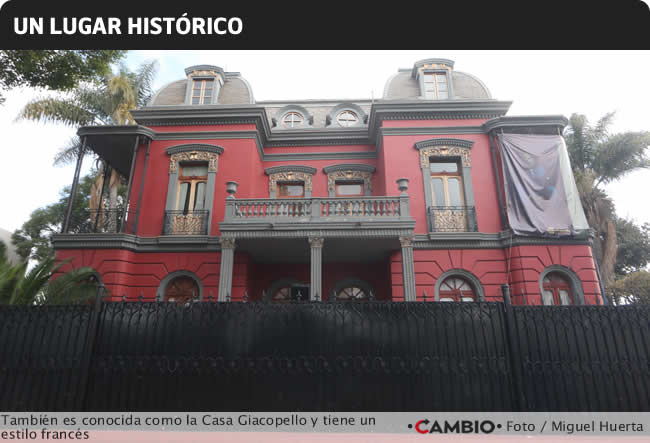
[86, 221]
[452, 219]
[186, 222]
[318, 209]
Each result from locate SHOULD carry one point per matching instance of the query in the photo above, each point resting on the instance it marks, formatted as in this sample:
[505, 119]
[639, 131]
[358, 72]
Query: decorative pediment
[444, 147]
[194, 153]
[290, 173]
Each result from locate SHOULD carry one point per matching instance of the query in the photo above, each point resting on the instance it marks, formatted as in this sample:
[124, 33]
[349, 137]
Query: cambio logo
[454, 427]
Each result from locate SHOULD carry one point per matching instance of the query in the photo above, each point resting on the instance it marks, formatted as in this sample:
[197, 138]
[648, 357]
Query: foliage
[598, 158]
[60, 70]
[33, 239]
[633, 252]
[37, 287]
[633, 288]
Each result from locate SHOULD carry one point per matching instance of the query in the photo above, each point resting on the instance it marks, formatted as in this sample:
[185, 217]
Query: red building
[398, 198]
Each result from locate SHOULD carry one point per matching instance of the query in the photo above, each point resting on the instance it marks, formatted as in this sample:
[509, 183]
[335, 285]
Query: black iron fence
[452, 219]
[307, 356]
[186, 222]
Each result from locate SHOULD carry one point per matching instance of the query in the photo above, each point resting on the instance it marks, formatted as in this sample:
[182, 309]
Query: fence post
[518, 398]
[90, 345]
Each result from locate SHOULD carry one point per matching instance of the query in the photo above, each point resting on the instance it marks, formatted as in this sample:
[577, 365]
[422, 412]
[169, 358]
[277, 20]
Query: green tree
[61, 70]
[598, 158]
[633, 251]
[39, 287]
[33, 239]
[108, 102]
[633, 288]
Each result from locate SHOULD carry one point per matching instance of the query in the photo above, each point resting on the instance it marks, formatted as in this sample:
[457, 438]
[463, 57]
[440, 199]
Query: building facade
[400, 198]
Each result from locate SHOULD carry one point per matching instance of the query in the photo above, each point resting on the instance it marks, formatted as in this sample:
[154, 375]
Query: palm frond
[621, 154]
[56, 110]
[68, 153]
[143, 82]
[73, 287]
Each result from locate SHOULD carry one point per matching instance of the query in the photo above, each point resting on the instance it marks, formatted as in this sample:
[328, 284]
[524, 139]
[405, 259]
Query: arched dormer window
[203, 84]
[346, 115]
[292, 117]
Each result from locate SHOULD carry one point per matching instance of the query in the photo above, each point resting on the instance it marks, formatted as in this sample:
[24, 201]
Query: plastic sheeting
[541, 194]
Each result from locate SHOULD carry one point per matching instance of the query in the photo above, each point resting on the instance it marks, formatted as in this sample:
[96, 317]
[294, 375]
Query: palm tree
[599, 158]
[38, 287]
[107, 102]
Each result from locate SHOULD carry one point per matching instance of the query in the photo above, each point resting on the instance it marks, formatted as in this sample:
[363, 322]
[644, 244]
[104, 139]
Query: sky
[538, 82]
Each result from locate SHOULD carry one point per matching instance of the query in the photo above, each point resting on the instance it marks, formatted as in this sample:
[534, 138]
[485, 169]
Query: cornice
[525, 121]
[480, 240]
[137, 130]
[349, 167]
[190, 147]
[431, 131]
[169, 243]
[191, 69]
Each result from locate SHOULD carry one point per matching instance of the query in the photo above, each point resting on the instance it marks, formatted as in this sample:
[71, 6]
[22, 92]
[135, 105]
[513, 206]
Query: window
[456, 288]
[349, 189]
[347, 119]
[435, 86]
[192, 186]
[446, 184]
[292, 120]
[352, 293]
[202, 91]
[291, 190]
[182, 290]
[291, 293]
[556, 290]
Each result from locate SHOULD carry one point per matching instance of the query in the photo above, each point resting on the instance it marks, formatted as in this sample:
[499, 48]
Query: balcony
[312, 212]
[186, 222]
[452, 219]
[110, 221]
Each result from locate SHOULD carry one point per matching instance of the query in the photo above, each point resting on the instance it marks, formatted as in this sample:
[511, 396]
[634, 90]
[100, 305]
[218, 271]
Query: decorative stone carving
[193, 156]
[444, 151]
[289, 177]
[332, 177]
[406, 241]
[316, 242]
[227, 243]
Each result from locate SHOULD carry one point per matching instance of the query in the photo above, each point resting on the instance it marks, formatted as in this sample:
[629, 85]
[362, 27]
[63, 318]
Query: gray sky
[538, 82]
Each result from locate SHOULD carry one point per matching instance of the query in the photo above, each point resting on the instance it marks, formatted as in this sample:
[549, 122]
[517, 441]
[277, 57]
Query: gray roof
[465, 87]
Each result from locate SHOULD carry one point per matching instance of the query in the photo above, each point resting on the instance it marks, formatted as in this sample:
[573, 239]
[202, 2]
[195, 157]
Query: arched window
[292, 120]
[182, 289]
[458, 285]
[352, 293]
[556, 290]
[287, 290]
[455, 288]
[347, 119]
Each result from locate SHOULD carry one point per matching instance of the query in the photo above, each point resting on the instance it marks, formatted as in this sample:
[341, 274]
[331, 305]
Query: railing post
[91, 336]
[408, 269]
[316, 208]
[225, 273]
[518, 397]
[316, 246]
[404, 209]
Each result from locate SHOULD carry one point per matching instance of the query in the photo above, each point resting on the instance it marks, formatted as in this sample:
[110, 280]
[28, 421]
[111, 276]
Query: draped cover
[541, 194]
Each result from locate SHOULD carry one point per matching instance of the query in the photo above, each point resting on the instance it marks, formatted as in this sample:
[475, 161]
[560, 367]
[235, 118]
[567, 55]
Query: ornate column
[316, 287]
[408, 270]
[225, 274]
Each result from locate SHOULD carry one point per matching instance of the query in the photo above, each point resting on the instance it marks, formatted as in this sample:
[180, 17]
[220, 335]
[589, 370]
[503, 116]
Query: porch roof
[115, 144]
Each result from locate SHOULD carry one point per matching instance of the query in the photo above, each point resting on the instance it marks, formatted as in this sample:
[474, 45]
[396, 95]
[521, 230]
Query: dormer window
[202, 91]
[203, 84]
[292, 120]
[435, 86]
[347, 119]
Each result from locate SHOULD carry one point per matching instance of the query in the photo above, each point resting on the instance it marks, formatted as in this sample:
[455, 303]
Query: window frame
[435, 73]
[470, 278]
[290, 183]
[355, 122]
[338, 183]
[204, 82]
[575, 284]
[193, 182]
[445, 176]
[283, 119]
[162, 288]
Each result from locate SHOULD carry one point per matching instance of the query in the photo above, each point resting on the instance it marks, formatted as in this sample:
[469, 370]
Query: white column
[408, 269]
[225, 274]
[316, 286]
